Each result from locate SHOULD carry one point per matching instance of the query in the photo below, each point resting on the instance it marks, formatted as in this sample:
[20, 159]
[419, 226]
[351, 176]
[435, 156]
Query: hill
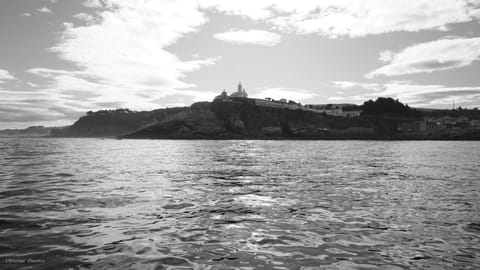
[33, 131]
[243, 118]
[112, 123]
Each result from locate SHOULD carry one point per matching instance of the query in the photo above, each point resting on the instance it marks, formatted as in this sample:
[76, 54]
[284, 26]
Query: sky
[62, 58]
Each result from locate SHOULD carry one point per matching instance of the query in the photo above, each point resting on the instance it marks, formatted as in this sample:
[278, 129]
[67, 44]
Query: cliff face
[267, 122]
[197, 121]
[244, 120]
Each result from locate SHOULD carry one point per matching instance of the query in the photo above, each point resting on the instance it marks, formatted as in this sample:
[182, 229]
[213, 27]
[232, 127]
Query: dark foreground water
[159, 204]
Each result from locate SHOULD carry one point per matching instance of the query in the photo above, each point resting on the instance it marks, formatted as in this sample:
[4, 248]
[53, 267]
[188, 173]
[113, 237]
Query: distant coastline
[244, 118]
[236, 116]
[29, 132]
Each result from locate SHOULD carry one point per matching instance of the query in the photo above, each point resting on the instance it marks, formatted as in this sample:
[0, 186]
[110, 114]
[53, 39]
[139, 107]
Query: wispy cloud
[84, 17]
[431, 95]
[336, 98]
[121, 61]
[344, 84]
[432, 56]
[44, 9]
[254, 36]
[351, 18]
[353, 85]
[94, 3]
[122, 58]
[37, 106]
[124, 55]
[420, 95]
[5, 75]
[283, 92]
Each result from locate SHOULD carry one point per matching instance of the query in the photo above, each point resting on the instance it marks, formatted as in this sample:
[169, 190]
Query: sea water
[166, 204]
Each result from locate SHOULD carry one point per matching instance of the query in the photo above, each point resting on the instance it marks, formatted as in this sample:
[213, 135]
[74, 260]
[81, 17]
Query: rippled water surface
[159, 204]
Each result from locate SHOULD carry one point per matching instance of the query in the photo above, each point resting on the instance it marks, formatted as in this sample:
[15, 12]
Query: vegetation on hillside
[242, 118]
[388, 106]
[110, 123]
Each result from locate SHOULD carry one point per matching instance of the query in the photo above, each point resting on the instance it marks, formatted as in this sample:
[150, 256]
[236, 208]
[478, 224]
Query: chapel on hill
[240, 93]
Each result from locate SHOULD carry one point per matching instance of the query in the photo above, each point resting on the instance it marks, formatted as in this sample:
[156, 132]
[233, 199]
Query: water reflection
[107, 204]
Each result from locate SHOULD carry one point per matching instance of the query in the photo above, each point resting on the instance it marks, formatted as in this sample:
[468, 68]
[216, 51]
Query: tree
[383, 106]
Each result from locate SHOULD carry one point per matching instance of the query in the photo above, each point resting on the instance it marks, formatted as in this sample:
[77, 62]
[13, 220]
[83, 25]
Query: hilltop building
[222, 97]
[241, 96]
[241, 93]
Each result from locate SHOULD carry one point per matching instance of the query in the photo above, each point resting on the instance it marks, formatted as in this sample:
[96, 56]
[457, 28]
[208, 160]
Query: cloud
[118, 60]
[351, 18]
[11, 113]
[42, 105]
[344, 84]
[353, 85]
[84, 17]
[26, 14]
[122, 58]
[33, 85]
[281, 92]
[44, 9]
[5, 75]
[434, 95]
[93, 3]
[257, 37]
[197, 95]
[421, 95]
[432, 56]
[336, 98]
[386, 56]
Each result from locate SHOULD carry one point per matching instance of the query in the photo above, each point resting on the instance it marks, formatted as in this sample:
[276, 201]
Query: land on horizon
[239, 117]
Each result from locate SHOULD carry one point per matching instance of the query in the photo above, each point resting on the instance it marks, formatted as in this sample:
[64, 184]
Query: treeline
[110, 112]
[105, 123]
[389, 106]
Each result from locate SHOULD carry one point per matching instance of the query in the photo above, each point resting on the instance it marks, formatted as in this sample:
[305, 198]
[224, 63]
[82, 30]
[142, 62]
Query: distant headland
[236, 116]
